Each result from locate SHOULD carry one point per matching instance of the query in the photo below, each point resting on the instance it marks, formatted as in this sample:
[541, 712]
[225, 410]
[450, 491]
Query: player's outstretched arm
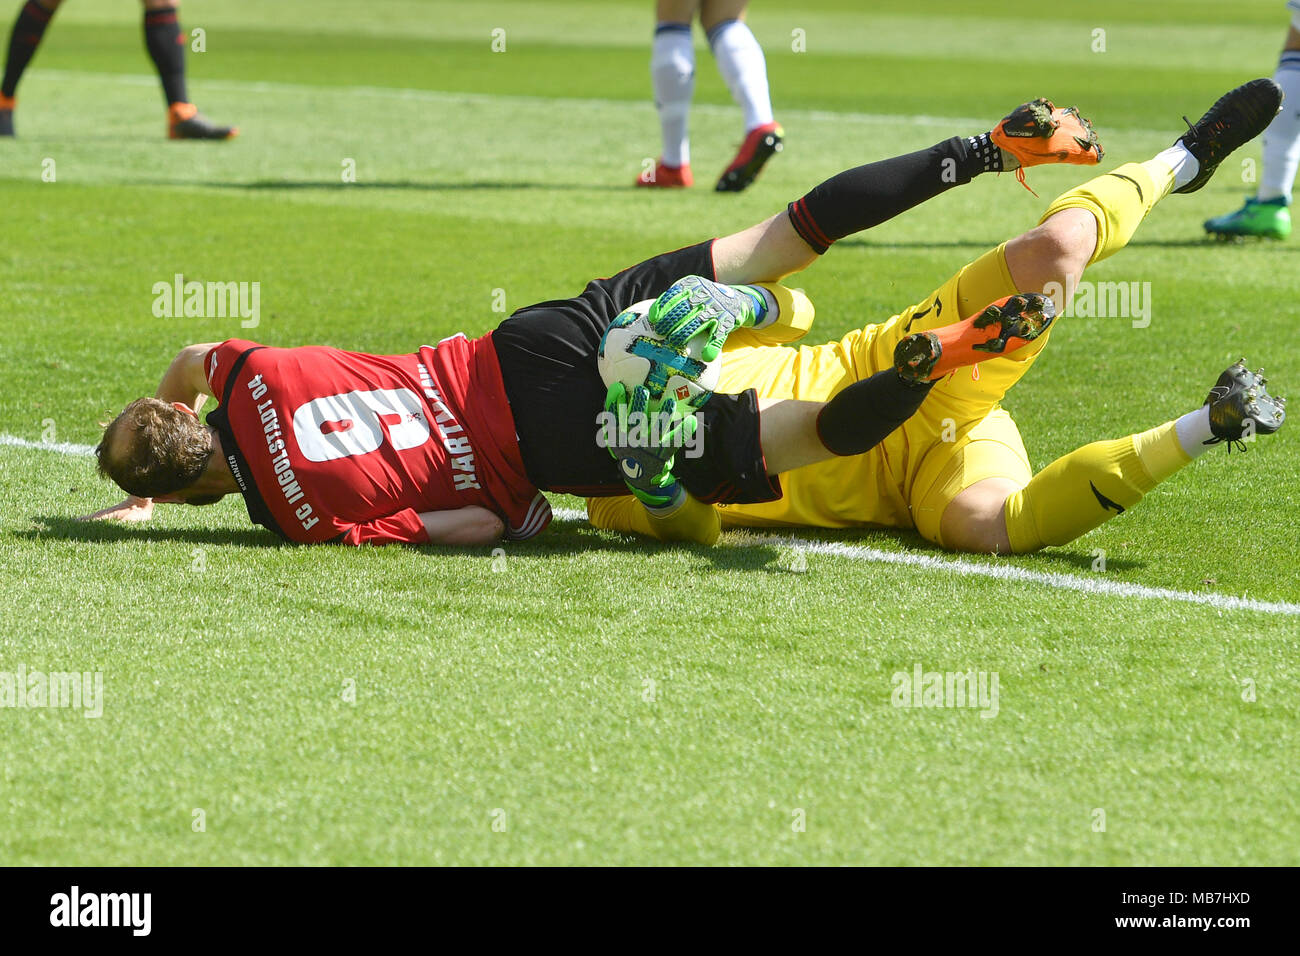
[860, 198]
[132, 509]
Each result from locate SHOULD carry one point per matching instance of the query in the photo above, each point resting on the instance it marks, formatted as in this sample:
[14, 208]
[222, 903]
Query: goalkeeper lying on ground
[957, 470]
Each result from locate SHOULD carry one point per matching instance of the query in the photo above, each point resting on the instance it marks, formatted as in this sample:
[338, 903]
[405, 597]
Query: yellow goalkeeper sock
[1119, 201]
[692, 520]
[1077, 493]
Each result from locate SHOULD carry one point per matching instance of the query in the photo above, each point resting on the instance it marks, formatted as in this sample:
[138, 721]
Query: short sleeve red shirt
[332, 445]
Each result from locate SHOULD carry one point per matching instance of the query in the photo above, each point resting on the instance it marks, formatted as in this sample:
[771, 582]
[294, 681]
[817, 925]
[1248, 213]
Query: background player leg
[165, 41]
[1267, 214]
[672, 74]
[742, 65]
[1282, 138]
[25, 37]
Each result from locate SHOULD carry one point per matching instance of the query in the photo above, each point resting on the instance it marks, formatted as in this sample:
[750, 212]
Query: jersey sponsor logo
[459, 450]
[233, 462]
[293, 493]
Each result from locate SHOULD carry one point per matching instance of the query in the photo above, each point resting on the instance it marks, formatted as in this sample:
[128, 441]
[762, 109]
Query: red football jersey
[332, 445]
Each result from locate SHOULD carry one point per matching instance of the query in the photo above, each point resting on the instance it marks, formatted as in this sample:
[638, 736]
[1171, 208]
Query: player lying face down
[452, 443]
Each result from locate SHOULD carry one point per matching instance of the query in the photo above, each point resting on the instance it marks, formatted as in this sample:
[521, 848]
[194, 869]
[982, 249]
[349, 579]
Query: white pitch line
[63, 447]
[1107, 587]
[1098, 585]
[1011, 572]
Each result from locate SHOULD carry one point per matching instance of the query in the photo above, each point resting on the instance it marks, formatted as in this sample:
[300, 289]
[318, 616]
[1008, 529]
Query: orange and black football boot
[1037, 132]
[1007, 325]
[184, 121]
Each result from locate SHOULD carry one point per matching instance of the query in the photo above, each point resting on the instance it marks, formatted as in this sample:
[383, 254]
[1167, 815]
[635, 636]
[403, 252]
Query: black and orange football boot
[1036, 133]
[184, 121]
[1002, 328]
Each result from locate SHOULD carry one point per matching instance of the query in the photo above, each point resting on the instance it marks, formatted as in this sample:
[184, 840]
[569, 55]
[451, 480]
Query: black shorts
[548, 362]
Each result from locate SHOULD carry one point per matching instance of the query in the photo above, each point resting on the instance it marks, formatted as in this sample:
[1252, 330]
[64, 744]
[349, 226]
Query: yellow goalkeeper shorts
[960, 435]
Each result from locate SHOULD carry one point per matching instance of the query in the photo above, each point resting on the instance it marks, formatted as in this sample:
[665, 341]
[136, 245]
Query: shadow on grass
[70, 529]
[909, 543]
[569, 538]
[1074, 562]
[1208, 242]
[774, 557]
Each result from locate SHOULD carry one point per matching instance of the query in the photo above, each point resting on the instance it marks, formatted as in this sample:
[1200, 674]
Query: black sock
[166, 44]
[26, 36]
[988, 152]
[859, 418]
[868, 195]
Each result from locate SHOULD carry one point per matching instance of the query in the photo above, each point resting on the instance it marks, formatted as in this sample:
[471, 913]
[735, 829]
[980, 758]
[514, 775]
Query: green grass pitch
[584, 698]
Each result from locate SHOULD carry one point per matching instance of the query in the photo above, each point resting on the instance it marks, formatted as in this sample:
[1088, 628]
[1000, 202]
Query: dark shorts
[548, 362]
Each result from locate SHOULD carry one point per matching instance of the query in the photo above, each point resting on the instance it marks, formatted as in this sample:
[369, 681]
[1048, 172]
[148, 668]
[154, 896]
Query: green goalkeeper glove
[644, 442]
[695, 306]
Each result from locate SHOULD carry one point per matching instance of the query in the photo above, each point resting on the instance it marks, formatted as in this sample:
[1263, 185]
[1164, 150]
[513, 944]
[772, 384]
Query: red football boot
[667, 177]
[761, 144]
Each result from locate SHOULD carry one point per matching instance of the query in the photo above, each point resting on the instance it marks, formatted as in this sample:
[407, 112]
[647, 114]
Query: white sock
[1194, 431]
[1282, 138]
[672, 71]
[1183, 163]
[741, 63]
